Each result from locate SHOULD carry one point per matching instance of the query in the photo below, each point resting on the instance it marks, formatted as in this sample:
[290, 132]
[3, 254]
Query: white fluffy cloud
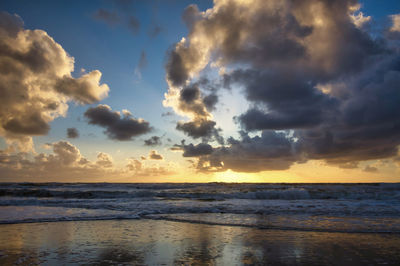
[36, 82]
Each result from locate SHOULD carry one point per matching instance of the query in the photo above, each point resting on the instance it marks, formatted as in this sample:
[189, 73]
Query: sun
[230, 176]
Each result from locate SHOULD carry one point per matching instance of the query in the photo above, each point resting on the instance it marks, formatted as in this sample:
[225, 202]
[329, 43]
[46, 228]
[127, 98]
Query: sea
[369, 208]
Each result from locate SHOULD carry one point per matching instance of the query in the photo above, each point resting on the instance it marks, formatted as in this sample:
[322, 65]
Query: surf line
[266, 227]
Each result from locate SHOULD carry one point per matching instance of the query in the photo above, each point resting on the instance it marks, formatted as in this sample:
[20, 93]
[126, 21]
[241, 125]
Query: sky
[200, 91]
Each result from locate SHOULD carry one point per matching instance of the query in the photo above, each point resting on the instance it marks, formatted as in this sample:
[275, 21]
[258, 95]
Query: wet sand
[158, 242]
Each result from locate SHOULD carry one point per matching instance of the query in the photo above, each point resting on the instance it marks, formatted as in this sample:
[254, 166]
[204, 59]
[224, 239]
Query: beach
[199, 224]
[160, 242]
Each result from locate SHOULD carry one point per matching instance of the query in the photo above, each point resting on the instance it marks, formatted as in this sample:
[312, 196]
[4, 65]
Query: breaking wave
[377, 203]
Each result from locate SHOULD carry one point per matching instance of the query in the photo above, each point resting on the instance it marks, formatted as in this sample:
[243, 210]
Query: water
[155, 242]
[319, 207]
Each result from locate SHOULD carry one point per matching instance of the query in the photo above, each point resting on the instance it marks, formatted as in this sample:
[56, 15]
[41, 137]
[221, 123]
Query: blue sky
[115, 51]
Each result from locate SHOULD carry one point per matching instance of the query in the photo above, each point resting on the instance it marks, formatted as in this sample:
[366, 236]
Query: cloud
[121, 15]
[118, 127]
[138, 168]
[141, 64]
[66, 162]
[155, 30]
[133, 24]
[395, 23]
[36, 82]
[153, 141]
[270, 151]
[197, 128]
[142, 60]
[189, 100]
[85, 90]
[348, 165]
[370, 169]
[134, 165]
[210, 101]
[394, 31]
[153, 155]
[309, 68]
[66, 153]
[104, 160]
[358, 17]
[292, 102]
[109, 17]
[191, 150]
[167, 114]
[72, 133]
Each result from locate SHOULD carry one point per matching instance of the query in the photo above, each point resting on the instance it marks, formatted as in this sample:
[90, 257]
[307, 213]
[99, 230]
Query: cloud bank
[320, 86]
[65, 162]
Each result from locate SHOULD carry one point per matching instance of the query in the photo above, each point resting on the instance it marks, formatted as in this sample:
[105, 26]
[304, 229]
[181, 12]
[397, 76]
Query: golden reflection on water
[147, 242]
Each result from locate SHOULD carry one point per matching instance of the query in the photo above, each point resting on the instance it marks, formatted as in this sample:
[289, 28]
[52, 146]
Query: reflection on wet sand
[147, 242]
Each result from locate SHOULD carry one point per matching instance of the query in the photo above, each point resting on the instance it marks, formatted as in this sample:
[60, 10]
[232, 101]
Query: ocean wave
[138, 200]
[297, 222]
[215, 193]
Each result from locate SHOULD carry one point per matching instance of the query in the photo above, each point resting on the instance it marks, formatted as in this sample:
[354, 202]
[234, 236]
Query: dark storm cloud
[191, 150]
[192, 101]
[189, 94]
[72, 133]
[176, 71]
[368, 123]
[197, 150]
[153, 141]
[307, 67]
[204, 129]
[272, 151]
[292, 101]
[210, 101]
[118, 127]
[197, 129]
[33, 124]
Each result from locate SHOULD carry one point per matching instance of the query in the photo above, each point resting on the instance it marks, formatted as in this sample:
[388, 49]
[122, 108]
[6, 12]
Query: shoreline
[177, 220]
